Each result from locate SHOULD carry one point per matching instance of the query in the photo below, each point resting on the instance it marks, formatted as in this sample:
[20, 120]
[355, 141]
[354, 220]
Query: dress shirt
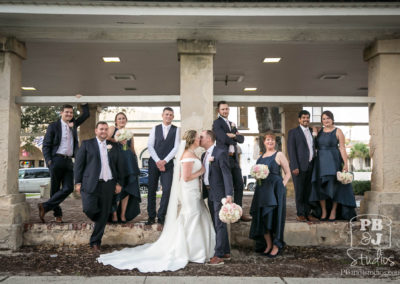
[66, 138]
[105, 172]
[309, 139]
[152, 137]
[206, 164]
[231, 147]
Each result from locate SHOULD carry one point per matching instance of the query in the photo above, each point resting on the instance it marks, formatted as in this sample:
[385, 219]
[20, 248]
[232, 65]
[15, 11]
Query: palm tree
[360, 151]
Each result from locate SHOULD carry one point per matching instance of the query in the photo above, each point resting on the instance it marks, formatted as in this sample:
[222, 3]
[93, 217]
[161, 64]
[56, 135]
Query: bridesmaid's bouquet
[259, 172]
[123, 134]
[345, 177]
[230, 212]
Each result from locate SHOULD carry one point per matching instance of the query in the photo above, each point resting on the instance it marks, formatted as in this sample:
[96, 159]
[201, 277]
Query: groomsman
[301, 150]
[98, 175]
[227, 138]
[163, 144]
[60, 144]
[217, 184]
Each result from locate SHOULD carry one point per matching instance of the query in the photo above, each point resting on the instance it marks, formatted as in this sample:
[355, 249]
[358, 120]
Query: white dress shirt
[105, 172]
[231, 147]
[152, 138]
[206, 164]
[309, 139]
[66, 138]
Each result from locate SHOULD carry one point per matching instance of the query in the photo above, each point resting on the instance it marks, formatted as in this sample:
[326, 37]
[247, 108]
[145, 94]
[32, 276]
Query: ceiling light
[111, 59]
[28, 88]
[272, 59]
[250, 89]
[123, 77]
[130, 89]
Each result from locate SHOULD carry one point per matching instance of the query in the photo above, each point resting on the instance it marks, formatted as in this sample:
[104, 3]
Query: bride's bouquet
[230, 212]
[259, 172]
[345, 177]
[123, 134]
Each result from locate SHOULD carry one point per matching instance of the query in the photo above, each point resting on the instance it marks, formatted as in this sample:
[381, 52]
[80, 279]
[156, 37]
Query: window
[42, 174]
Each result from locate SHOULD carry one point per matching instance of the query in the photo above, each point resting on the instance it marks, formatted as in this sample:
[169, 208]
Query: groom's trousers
[221, 230]
[97, 206]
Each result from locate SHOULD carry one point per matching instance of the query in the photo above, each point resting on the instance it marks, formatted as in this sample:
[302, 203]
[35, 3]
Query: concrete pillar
[197, 83]
[86, 130]
[384, 84]
[289, 115]
[14, 211]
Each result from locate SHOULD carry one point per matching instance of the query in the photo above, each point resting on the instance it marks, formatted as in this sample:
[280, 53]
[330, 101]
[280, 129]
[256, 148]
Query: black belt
[64, 156]
[102, 180]
[208, 187]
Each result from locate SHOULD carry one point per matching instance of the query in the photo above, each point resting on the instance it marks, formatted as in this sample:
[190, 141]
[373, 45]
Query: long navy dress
[131, 181]
[324, 182]
[268, 207]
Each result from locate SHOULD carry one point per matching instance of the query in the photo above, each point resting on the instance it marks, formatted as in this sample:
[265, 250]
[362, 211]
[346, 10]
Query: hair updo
[189, 137]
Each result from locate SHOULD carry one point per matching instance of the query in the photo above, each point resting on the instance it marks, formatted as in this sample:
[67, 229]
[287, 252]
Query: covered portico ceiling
[66, 42]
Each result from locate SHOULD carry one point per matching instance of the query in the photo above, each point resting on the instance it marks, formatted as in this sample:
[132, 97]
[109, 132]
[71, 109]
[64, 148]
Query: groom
[218, 184]
[98, 174]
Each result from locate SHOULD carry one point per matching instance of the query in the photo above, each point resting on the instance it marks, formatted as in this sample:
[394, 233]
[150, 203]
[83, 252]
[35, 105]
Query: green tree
[359, 150]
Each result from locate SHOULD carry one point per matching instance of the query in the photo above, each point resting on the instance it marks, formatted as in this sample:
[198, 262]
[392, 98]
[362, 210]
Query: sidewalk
[180, 280]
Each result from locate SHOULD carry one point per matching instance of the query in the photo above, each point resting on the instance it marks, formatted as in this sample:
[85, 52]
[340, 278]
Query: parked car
[250, 183]
[144, 181]
[30, 179]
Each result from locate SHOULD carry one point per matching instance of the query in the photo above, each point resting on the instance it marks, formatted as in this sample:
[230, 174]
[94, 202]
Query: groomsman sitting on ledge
[227, 139]
[163, 144]
[60, 144]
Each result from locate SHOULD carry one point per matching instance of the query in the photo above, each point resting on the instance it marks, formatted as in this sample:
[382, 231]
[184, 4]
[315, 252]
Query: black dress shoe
[150, 221]
[123, 222]
[280, 250]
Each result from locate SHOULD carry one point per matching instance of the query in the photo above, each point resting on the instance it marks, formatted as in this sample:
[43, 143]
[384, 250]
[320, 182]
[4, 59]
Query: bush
[361, 186]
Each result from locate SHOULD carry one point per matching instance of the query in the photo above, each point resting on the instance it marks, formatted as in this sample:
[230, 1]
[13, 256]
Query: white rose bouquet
[230, 212]
[259, 172]
[123, 134]
[345, 177]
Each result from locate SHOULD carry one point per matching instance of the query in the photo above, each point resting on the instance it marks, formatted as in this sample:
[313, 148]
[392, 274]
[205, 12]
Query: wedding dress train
[188, 234]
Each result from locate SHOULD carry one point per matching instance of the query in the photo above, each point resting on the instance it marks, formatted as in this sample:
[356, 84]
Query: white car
[30, 179]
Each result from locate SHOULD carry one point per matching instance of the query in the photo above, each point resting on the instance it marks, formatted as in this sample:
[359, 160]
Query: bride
[188, 233]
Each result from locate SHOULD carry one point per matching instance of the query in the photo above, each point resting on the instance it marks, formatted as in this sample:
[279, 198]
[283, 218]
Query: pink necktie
[104, 160]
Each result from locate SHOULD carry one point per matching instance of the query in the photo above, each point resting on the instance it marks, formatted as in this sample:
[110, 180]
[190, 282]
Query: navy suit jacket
[220, 128]
[220, 176]
[297, 148]
[52, 139]
[88, 165]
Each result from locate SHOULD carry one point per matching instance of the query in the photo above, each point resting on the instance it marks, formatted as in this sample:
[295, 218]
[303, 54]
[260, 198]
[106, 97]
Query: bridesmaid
[126, 204]
[268, 207]
[336, 199]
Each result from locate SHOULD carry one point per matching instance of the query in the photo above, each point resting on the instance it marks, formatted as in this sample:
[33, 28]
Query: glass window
[21, 173]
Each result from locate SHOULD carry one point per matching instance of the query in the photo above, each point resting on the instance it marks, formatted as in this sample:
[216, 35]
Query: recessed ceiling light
[130, 89]
[332, 76]
[28, 88]
[123, 77]
[250, 89]
[111, 59]
[272, 59]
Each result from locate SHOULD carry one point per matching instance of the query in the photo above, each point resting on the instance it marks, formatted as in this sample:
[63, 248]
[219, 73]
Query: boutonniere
[70, 124]
[233, 124]
[109, 147]
[211, 159]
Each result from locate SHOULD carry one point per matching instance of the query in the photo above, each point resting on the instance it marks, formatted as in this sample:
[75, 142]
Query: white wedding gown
[188, 234]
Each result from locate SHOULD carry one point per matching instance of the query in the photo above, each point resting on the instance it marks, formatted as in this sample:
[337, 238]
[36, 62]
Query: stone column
[197, 83]
[14, 211]
[289, 115]
[384, 84]
[86, 130]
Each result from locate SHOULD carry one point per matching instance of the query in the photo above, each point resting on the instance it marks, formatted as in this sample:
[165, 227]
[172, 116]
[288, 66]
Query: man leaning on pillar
[60, 144]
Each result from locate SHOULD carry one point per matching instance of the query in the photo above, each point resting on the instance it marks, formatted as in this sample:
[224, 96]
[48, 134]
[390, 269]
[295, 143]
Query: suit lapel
[225, 124]
[97, 149]
[210, 165]
[58, 128]
[302, 135]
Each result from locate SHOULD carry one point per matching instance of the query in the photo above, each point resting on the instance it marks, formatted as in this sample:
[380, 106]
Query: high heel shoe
[280, 250]
[266, 253]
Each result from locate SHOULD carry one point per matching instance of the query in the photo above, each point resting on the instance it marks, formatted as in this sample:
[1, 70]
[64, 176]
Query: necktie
[165, 132]
[231, 147]
[309, 142]
[104, 161]
[69, 148]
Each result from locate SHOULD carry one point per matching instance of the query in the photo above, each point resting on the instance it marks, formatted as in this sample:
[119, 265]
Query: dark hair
[328, 114]
[66, 106]
[101, 122]
[189, 137]
[269, 134]
[304, 112]
[221, 103]
[115, 120]
[169, 109]
[211, 134]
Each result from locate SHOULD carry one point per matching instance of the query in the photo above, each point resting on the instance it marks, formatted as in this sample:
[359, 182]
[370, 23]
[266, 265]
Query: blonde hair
[189, 137]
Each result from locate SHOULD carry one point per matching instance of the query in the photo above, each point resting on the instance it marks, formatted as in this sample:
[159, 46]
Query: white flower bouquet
[123, 134]
[230, 212]
[345, 177]
[259, 172]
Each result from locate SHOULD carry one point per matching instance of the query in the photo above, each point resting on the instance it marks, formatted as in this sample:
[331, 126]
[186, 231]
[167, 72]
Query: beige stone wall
[289, 115]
